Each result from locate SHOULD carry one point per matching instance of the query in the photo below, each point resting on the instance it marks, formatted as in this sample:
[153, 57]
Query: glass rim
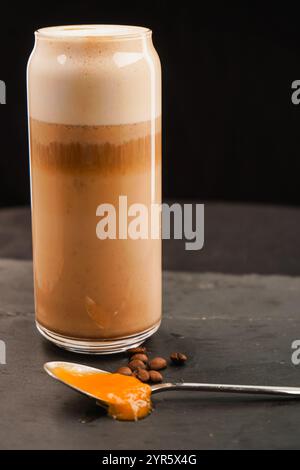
[92, 31]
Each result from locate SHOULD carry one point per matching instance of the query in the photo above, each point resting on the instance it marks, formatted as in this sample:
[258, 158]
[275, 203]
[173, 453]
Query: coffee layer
[88, 288]
[94, 148]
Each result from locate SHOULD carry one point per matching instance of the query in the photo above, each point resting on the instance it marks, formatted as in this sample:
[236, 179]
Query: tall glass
[94, 105]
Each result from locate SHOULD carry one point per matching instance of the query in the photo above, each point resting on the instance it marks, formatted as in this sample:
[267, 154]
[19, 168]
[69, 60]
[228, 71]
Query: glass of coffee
[94, 105]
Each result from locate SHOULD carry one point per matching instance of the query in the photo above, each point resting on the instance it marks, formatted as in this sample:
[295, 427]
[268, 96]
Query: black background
[231, 130]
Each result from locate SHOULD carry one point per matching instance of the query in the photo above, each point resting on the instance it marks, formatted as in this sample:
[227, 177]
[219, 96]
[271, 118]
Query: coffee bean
[124, 371]
[136, 364]
[139, 357]
[157, 363]
[142, 375]
[139, 350]
[178, 358]
[155, 376]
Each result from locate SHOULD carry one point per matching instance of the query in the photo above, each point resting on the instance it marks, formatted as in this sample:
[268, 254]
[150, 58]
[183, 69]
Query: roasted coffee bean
[124, 371]
[142, 375]
[178, 358]
[155, 376]
[157, 363]
[139, 350]
[136, 364]
[139, 357]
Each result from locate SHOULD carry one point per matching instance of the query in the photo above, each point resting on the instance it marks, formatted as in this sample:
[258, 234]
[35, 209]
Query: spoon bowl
[50, 368]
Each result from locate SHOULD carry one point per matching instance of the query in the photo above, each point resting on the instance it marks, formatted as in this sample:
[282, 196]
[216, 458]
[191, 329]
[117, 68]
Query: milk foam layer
[94, 75]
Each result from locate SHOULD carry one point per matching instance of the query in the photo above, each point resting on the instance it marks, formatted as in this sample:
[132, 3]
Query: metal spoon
[165, 387]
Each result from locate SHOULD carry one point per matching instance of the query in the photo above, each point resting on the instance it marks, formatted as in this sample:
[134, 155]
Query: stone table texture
[235, 329]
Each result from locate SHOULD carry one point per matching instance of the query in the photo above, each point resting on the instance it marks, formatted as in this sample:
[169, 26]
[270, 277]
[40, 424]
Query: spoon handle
[222, 388]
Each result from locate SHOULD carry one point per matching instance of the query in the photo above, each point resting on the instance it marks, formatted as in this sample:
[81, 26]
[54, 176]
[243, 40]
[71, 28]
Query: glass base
[103, 346]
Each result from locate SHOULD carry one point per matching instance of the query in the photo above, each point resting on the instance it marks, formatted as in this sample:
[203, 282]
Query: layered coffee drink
[95, 136]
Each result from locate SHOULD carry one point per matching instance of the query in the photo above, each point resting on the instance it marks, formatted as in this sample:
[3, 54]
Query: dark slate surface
[234, 328]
